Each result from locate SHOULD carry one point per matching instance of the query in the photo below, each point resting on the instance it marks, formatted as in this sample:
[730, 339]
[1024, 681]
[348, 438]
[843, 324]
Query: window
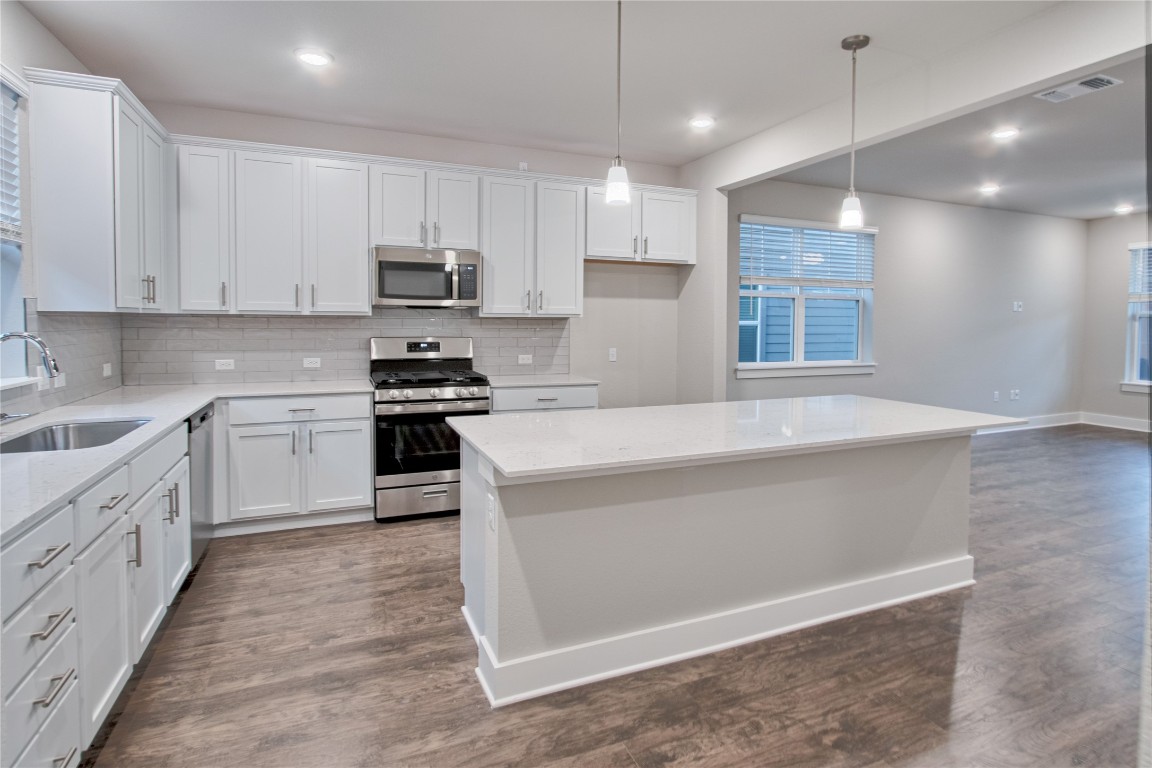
[13, 363]
[805, 296]
[1139, 313]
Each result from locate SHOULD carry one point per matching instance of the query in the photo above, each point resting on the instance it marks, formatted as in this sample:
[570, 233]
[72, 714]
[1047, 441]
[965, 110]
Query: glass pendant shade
[619, 191]
[851, 214]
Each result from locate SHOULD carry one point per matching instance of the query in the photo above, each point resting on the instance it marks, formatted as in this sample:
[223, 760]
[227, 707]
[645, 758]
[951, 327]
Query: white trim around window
[785, 370]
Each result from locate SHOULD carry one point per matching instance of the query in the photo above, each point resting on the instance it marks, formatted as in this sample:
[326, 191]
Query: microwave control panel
[468, 282]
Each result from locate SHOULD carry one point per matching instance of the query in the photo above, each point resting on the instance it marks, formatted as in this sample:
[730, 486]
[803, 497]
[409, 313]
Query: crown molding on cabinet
[95, 83]
[14, 81]
[428, 165]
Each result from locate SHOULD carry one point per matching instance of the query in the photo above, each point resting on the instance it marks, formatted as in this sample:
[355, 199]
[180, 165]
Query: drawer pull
[139, 559]
[299, 410]
[58, 684]
[66, 759]
[112, 502]
[547, 399]
[53, 553]
[434, 494]
[57, 619]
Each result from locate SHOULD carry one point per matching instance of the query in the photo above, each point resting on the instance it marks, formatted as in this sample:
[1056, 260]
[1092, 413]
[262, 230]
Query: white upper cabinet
[205, 229]
[100, 194]
[424, 209]
[657, 227]
[337, 255]
[559, 249]
[509, 247]
[269, 237]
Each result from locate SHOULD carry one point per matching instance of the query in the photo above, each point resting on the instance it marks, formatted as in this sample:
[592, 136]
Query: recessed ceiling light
[702, 122]
[1123, 209]
[1003, 134]
[314, 56]
[989, 189]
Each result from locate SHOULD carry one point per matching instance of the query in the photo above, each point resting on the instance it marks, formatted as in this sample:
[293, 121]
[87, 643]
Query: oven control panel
[423, 346]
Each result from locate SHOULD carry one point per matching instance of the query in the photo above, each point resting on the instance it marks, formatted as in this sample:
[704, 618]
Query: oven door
[417, 447]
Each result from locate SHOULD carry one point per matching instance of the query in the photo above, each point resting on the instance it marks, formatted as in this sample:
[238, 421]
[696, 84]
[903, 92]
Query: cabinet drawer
[266, 410]
[34, 559]
[57, 745]
[146, 469]
[33, 632]
[39, 695]
[543, 398]
[100, 506]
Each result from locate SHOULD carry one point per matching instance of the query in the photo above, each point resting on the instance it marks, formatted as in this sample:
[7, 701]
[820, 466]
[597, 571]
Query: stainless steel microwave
[426, 277]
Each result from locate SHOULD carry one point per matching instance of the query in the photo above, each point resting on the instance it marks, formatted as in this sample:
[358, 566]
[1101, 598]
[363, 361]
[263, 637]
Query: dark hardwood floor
[345, 646]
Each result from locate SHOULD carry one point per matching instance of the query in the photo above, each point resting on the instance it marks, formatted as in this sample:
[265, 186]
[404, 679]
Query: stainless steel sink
[70, 437]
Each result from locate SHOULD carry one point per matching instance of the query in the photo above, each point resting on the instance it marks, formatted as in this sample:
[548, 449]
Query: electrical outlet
[995, 395]
[107, 370]
[524, 360]
[611, 354]
[491, 512]
[1014, 394]
[225, 365]
[1017, 306]
[523, 165]
[311, 362]
[60, 381]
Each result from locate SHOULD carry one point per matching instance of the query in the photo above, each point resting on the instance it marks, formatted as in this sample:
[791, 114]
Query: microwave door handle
[455, 282]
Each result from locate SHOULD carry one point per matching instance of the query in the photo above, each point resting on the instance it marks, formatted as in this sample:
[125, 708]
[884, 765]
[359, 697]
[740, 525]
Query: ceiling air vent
[1078, 88]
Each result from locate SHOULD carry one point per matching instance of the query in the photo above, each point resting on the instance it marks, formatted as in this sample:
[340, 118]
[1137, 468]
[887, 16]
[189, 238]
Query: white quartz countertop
[541, 380]
[540, 445]
[35, 484]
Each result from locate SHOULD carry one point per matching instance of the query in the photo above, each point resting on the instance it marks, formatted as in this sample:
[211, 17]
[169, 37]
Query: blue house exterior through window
[805, 292]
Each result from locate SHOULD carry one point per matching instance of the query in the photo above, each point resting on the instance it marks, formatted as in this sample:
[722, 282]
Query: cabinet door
[339, 464]
[144, 555]
[613, 231]
[205, 226]
[396, 206]
[152, 160]
[264, 471]
[177, 525]
[102, 617]
[509, 248]
[559, 249]
[269, 239]
[669, 228]
[337, 254]
[454, 210]
[129, 222]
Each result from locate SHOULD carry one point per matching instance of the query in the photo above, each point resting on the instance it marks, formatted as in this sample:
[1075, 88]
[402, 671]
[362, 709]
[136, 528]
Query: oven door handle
[456, 406]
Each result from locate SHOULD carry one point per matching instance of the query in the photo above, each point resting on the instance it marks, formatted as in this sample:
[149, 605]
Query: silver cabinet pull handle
[423, 231]
[171, 516]
[152, 282]
[147, 297]
[540, 302]
[645, 245]
[310, 448]
[112, 502]
[139, 559]
[635, 244]
[528, 300]
[434, 494]
[67, 758]
[297, 295]
[293, 443]
[53, 553]
[547, 399]
[58, 683]
[313, 295]
[176, 498]
[57, 619]
[436, 232]
[223, 295]
[299, 410]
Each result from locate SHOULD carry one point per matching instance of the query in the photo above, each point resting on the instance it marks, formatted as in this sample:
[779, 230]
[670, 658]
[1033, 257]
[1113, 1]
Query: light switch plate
[43, 382]
[60, 381]
[107, 370]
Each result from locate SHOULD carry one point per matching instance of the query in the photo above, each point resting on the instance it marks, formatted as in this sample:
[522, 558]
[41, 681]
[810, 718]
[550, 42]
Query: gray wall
[946, 276]
[1106, 317]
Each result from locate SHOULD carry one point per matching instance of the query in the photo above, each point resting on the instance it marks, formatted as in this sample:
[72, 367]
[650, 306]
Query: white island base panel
[573, 580]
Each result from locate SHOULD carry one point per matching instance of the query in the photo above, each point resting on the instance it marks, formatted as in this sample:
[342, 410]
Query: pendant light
[619, 191]
[851, 214]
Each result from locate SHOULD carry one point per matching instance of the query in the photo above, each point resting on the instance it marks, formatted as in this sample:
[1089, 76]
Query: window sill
[781, 370]
[18, 381]
[1136, 386]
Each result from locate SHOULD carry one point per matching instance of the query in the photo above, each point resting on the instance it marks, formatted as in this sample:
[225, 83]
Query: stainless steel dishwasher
[200, 461]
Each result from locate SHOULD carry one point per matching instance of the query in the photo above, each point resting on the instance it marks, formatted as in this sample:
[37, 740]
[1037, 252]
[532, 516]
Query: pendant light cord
[852, 154]
[619, 23]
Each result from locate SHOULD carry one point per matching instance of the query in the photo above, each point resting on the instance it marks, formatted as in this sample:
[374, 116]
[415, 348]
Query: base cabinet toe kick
[576, 575]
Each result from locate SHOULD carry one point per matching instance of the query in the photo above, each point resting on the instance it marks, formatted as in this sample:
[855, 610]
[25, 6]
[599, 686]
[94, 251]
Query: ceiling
[1079, 158]
[532, 74]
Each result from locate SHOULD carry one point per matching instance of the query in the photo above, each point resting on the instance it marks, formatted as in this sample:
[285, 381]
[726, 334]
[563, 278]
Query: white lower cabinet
[103, 620]
[177, 527]
[285, 458]
[566, 398]
[144, 556]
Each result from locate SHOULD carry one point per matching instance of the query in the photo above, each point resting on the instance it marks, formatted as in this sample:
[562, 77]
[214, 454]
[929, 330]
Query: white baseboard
[1075, 417]
[1118, 422]
[524, 678]
[288, 523]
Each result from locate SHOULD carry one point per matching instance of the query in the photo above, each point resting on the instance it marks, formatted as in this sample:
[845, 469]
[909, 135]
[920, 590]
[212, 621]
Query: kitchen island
[598, 543]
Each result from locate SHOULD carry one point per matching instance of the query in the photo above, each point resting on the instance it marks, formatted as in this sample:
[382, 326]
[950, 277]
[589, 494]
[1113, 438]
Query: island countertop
[533, 446]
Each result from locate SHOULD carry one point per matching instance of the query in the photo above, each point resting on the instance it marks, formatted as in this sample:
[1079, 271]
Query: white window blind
[776, 254]
[11, 226]
[1140, 272]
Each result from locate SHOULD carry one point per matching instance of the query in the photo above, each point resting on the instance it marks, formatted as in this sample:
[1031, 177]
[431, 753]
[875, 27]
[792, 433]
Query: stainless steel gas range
[418, 384]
